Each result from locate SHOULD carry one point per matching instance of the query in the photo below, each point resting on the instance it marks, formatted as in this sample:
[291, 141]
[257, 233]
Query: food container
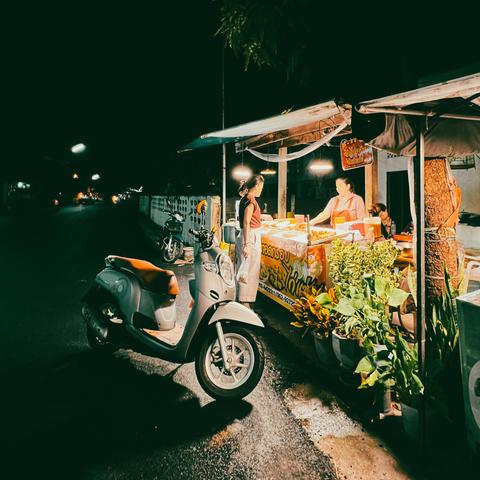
[350, 226]
[229, 232]
[403, 237]
[375, 223]
[406, 248]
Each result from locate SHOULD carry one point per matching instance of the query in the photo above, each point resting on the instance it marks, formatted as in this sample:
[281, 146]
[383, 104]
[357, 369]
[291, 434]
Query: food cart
[293, 259]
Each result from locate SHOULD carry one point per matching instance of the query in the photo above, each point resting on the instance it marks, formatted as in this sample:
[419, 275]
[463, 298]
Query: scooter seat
[153, 278]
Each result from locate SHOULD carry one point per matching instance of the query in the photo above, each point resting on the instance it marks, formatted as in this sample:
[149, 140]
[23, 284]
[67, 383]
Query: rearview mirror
[201, 207]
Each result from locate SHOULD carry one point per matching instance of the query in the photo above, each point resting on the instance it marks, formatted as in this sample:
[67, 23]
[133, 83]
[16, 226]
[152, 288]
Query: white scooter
[132, 304]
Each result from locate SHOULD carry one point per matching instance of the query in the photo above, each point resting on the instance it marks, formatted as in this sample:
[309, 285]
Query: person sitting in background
[380, 210]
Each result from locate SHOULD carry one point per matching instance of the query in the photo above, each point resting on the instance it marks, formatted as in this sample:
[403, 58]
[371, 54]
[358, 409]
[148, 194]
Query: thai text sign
[286, 272]
[355, 154]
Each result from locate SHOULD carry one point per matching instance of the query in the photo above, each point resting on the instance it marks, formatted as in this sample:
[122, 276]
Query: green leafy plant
[394, 367]
[350, 263]
[442, 326]
[313, 312]
[364, 312]
[442, 366]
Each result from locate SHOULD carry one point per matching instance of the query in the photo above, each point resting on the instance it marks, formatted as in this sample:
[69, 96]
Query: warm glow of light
[115, 199]
[75, 176]
[241, 172]
[78, 148]
[79, 196]
[268, 171]
[321, 166]
[95, 176]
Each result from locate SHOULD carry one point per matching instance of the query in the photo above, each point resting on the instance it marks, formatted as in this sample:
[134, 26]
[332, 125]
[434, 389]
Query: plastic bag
[242, 274]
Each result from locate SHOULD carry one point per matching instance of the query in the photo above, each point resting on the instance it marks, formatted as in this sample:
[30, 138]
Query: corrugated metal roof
[304, 116]
[463, 87]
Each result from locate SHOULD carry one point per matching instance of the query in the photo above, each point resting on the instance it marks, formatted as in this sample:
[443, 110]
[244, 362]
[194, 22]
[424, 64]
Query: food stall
[293, 259]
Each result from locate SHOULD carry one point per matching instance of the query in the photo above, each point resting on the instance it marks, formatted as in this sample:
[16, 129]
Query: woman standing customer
[347, 206]
[248, 247]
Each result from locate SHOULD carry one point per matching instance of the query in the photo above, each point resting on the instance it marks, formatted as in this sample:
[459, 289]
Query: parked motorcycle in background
[171, 241]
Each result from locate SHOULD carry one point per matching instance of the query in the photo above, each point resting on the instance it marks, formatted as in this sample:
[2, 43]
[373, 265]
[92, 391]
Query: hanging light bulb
[268, 171]
[321, 166]
[241, 172]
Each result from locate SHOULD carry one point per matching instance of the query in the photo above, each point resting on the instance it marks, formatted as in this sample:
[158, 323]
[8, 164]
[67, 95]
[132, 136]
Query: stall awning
[306, 120]
[450, 111]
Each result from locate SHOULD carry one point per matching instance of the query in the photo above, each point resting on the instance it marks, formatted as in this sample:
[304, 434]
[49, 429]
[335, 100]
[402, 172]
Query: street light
[241, 172]
[75, 176]
[78, 148]
[95, 177]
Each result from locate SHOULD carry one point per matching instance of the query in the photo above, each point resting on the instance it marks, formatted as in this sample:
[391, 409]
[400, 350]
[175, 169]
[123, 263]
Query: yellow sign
[287, 269]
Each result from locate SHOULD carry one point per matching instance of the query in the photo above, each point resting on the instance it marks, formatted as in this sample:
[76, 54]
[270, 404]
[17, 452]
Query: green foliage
[364, 313]
[442, 368]
[267, 33]
[395, 367]
[350, 263]
[313, 311]
[442, 326]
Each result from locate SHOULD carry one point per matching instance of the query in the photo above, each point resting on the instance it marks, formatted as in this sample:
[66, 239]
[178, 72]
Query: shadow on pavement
[64, 418]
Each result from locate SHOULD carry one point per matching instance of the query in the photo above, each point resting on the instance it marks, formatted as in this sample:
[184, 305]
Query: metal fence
[144, 205]
[186, 206]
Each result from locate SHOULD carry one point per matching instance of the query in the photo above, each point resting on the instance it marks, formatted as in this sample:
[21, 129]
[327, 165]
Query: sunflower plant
[314, 312]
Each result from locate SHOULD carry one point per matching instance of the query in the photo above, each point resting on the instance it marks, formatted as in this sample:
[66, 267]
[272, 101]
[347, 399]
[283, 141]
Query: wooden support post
[371, 182]
[282, 185]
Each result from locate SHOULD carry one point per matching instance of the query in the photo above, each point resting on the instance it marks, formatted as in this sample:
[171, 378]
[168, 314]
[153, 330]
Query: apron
[247, 292]
[341, 215]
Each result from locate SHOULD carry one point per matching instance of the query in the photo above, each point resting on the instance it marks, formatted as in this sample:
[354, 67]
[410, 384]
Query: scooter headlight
[225, 269]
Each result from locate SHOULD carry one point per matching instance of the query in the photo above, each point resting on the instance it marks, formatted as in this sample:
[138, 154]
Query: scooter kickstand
[223, 347]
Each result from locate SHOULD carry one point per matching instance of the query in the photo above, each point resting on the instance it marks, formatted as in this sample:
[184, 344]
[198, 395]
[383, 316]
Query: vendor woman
[347, 206]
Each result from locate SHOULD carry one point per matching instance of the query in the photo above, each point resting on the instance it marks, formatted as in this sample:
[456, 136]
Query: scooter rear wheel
[172, 252]
[99, 345]
[246, 352]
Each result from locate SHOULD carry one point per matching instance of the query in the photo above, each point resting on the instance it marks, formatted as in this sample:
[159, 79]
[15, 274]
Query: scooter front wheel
[243, 371]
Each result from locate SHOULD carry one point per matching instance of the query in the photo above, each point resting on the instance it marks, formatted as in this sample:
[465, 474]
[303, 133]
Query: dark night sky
[135, 84]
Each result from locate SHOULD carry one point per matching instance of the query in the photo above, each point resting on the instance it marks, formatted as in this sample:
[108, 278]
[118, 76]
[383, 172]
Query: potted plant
[313, 313]
[365, 318]
[349, 263]
[356, 272]
[396, 367]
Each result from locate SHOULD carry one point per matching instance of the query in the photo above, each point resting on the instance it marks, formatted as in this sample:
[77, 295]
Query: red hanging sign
[355, 154]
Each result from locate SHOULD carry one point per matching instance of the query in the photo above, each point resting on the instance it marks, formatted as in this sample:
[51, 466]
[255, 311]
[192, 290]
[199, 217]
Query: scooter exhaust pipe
[94, 321]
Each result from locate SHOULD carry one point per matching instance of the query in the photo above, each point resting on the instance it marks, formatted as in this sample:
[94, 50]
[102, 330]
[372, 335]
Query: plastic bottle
[393, 229]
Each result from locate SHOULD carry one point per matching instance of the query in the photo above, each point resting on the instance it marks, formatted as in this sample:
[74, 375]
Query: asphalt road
[68, 414]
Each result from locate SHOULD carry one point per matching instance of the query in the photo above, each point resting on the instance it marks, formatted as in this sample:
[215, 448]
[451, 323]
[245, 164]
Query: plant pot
[347, 351]
[385, 400]
[411, 421]
[324, 349]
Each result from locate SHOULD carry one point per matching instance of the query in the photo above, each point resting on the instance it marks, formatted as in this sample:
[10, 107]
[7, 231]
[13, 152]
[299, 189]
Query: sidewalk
[339, 419]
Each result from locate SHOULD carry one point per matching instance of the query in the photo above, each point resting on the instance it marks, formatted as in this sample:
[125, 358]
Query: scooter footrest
[171, 337]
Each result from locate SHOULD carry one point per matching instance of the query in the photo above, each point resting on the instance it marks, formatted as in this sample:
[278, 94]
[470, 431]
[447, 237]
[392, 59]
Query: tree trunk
[442, 203]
